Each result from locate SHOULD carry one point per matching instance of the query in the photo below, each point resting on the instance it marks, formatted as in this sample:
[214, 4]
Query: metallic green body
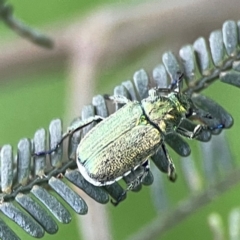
[127, 138]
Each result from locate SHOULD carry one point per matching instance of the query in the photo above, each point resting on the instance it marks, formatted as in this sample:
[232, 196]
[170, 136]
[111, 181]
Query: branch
[6, 14]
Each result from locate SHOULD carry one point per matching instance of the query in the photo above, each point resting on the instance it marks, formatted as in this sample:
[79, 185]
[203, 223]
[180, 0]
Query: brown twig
[6, 14]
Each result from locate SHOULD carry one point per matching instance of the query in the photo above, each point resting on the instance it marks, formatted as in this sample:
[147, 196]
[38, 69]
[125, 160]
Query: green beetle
[126, 139]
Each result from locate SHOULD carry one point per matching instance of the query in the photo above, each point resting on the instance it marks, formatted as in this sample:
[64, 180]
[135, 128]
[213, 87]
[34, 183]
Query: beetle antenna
[75, 127]
[175, 84]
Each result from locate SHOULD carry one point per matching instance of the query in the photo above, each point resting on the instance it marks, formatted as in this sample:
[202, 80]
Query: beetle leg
[171, 168]
[139, 176]
[197, 130]
[134, 183]
[75, 127]
[175, 84]
[201, 115]
[191, 134]
[119, 99]
[143, 172]
[146, 169]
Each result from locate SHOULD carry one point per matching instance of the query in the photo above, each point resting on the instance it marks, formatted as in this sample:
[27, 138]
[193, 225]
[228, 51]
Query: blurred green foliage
[44, 11]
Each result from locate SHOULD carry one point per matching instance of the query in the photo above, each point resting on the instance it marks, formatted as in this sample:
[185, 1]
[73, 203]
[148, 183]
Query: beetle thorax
[165, 112]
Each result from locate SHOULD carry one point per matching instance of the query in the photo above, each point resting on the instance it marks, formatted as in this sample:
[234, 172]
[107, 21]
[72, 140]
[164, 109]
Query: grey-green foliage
[20, 175]
[216, 225]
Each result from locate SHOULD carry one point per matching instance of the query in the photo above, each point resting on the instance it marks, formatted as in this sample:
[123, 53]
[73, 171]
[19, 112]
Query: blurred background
[97, 45]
